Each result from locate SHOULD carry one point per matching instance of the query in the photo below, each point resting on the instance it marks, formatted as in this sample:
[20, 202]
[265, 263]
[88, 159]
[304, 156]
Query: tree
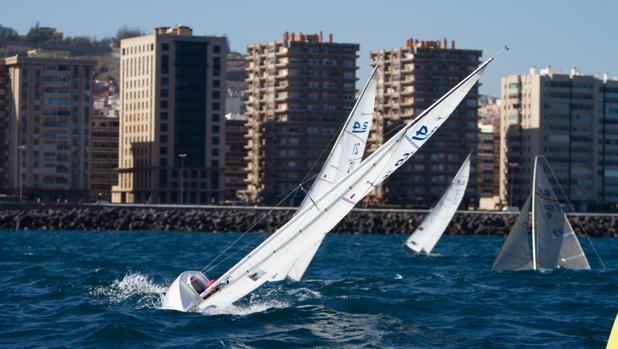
[7, 33]
[126, 32]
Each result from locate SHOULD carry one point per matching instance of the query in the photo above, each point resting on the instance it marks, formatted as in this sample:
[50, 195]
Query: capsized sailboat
[274, 258]
[554, 243]
[426, 236]
[346, 153]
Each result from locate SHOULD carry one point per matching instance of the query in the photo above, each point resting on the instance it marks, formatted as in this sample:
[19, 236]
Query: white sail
[348, 150]
[271, 258]
[515, 253]
[426, 236]
[347, 153]
[555, 242]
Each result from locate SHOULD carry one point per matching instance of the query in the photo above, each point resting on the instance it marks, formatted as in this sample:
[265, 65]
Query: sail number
[399, 162]
[358, 128]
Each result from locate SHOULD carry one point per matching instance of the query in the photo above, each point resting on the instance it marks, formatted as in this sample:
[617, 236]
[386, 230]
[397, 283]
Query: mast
[533, 205]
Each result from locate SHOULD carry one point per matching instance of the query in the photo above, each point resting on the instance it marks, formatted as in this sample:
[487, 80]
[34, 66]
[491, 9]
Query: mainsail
[277, 254]
[515, 253]
[426, 236]
[347, 153]
[556, 244]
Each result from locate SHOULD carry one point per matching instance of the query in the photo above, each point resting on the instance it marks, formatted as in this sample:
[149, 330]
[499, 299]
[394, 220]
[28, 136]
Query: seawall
[240, 219]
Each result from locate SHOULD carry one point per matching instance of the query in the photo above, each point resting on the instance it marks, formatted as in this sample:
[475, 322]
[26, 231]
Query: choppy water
[85, 289]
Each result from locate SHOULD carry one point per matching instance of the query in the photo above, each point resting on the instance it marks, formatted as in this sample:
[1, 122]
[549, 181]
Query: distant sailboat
[426, 236]
[554, 244]
[275, 258]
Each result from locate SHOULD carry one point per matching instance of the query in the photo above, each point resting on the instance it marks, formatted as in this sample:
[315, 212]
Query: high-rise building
[300, 90]
[572, 120]
[49, 142]
[410, 79]
[488, 163]
[4, 127]
[235, 153]
[236, 76]
[172, 121]
[104, 156]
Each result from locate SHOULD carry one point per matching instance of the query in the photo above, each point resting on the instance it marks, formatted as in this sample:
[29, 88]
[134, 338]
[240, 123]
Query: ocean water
[103, 289]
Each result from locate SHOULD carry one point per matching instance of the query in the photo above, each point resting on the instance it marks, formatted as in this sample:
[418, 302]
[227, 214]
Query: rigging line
[248, 230]
[573, 210]
[212, 266]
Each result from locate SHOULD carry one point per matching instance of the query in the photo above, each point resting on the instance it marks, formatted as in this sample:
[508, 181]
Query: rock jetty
[240, 219]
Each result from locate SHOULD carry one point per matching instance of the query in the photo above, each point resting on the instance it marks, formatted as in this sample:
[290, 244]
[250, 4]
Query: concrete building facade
[49, 125]
[300, 90]
[235, 156]
[572, 120]
[104, 156]
[4, 127]
[172, 118]
[410, 79]
[488, 164]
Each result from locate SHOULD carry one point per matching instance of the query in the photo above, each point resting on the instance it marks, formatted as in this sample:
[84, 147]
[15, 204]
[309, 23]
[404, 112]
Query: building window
[165, 47]
[216, 49]
[165, 60]
[216, 83]
[216, 94]
[216, 106]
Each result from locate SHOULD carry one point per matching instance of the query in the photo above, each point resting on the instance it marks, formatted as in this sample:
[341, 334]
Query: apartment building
[410, 79]
[49, 125]
[299, 92]
[571, 119]
[4, 127]
[488, 164]
[104, 156]
[235, 156]
[172, 118]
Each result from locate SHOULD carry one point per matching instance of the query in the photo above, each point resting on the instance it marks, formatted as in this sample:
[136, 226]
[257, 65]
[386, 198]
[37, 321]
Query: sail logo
[358, 128]
[421, 133]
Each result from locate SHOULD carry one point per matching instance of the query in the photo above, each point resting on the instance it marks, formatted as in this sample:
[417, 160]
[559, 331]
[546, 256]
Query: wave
[244, 310]
[133, 286]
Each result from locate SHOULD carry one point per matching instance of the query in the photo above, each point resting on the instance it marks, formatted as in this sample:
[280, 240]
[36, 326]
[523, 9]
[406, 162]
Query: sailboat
[294, 243]
[554, 243]
[426, 236]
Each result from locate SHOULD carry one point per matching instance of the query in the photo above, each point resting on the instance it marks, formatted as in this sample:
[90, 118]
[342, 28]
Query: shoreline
[240, 218]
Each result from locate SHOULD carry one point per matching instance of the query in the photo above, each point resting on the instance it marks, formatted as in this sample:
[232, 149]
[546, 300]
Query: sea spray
[133, 287]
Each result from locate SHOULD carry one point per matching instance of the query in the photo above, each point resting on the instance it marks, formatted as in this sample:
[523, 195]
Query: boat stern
[184, 293]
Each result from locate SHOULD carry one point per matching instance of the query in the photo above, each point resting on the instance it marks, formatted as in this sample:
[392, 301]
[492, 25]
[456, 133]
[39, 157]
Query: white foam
[302, 294]
[398, 277]
[244, 310]
[148, 293]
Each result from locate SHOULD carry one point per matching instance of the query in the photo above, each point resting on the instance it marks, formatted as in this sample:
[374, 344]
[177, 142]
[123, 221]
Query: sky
[562, 34]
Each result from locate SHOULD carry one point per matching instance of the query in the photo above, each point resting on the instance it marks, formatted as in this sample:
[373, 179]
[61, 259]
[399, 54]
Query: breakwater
[262, 219]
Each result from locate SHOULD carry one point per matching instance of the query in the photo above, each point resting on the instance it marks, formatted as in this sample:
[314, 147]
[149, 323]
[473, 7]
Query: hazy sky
[559, 33]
